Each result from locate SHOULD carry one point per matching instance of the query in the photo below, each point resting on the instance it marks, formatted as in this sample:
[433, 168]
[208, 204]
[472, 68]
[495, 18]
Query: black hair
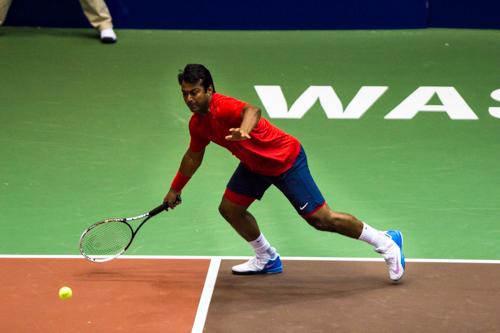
[193, 73]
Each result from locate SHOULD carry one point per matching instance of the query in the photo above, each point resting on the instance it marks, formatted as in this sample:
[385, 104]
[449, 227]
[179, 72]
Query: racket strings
[106, 239]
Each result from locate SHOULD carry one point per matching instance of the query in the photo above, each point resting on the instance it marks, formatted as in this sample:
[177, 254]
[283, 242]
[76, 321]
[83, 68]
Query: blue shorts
[296, 184]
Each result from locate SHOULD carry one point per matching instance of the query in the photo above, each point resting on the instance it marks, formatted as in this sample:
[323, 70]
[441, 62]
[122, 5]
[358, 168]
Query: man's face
[195, 96]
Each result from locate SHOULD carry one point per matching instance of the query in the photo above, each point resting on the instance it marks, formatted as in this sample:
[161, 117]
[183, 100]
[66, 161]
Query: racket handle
[162, 207]
[158, 210]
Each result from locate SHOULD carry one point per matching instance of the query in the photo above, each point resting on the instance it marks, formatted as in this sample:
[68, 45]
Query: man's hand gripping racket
[108, 239]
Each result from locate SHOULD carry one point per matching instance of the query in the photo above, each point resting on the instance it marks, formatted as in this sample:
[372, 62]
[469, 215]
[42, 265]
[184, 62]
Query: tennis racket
[108, 239]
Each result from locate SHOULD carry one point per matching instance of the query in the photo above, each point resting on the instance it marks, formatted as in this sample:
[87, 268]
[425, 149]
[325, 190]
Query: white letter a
[453, 104]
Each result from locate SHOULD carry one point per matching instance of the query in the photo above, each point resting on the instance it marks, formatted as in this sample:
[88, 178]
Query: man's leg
[266, 258]
[325, 219]
[4, 8]
[240, 219]
[389, 244]
[243, 188]
[301, 190]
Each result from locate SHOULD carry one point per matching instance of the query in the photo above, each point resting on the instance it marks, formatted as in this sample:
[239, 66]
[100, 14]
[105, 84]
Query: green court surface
[89, 131]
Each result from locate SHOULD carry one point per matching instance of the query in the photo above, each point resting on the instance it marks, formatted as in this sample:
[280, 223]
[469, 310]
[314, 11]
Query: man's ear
[210, 90]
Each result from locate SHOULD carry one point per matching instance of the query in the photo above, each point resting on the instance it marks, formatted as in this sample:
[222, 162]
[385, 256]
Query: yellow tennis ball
[65, 293]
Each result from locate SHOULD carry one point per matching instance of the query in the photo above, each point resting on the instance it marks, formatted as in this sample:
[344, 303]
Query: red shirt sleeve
[198, 142]
[228, 109]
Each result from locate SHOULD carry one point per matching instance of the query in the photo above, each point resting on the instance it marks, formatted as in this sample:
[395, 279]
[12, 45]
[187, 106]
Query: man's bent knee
[230, 210]
[325, 219]
[224, 210]
[316, 223]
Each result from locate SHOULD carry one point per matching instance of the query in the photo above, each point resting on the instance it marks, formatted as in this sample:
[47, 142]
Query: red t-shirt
[270, 151]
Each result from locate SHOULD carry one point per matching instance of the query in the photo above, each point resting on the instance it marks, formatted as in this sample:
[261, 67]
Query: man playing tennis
[268, 156]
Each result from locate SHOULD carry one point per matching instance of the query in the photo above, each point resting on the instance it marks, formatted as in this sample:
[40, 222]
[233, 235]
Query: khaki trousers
[96, 12]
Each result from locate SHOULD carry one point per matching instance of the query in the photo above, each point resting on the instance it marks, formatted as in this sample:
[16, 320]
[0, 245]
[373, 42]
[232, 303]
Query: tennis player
[268, 156]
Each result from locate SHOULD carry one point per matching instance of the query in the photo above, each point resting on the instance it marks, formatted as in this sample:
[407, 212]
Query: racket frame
[125, 220]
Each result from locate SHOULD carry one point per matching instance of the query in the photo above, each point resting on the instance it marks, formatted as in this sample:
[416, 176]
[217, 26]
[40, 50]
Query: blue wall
[464, 13]
[270, 14]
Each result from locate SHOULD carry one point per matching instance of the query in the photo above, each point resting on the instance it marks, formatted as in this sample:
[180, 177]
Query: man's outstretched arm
[250, 118]
[190, 162]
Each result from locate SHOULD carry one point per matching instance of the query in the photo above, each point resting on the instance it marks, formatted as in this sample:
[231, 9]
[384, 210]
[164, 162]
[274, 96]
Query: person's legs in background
[4, 8]
[99, 17]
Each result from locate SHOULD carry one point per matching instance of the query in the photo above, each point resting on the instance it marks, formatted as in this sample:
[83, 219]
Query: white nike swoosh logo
[302, 207]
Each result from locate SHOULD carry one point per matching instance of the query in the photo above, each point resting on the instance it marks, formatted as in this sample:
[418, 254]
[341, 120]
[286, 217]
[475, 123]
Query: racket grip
[158, 210]
[162, 207]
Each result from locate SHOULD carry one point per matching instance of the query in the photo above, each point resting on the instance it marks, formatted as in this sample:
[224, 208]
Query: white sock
[374, 237]
[262, 247]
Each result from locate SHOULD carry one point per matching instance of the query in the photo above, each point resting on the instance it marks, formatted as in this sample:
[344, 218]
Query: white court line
[422, 260]
[206, 296]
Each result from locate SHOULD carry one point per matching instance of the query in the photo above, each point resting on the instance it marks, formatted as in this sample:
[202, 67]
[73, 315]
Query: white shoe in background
[108, 36]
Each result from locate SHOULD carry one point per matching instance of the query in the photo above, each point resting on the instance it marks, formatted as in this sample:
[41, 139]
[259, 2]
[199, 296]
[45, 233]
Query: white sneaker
[259, 266]
[393, 255]
[108, 36]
